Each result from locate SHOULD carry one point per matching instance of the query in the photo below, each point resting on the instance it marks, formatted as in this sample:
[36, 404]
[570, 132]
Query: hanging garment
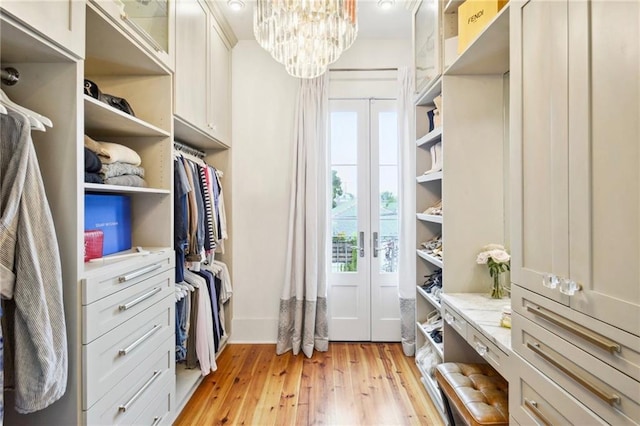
[205, 346]
[31, 270]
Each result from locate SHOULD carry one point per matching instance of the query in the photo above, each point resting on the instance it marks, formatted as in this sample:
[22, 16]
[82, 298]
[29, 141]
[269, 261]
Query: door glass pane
[150, 17]
[344, 201]
[388, 243]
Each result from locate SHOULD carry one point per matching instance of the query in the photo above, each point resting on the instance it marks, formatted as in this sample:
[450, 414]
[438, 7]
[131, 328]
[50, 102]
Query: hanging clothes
[31, 273]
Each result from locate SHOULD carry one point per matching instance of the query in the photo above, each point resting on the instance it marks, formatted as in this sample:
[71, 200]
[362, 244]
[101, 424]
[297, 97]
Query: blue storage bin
[112, 215]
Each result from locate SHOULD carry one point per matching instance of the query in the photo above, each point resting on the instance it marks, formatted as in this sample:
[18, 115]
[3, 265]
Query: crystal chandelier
[305, 35]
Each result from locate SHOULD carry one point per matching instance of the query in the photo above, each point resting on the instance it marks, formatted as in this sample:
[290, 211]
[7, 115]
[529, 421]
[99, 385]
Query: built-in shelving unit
[429, 218]
[429, 297]
[434, 261]
[97, 187]
[429, 177]
[102, 119]
[488, 54]
[432, 136]
[472, 135]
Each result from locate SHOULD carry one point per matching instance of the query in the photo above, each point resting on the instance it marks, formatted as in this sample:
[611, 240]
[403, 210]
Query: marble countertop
[483, 313]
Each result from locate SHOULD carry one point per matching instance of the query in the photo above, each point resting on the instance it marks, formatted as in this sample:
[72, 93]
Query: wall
[263, 98]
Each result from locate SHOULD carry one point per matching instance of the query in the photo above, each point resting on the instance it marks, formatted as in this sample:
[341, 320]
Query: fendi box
[473, 17]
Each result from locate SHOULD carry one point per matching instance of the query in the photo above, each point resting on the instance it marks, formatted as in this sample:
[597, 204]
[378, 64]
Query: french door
[363, 275]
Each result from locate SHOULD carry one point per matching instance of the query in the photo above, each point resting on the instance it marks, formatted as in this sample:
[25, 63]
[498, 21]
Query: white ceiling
[373, 22]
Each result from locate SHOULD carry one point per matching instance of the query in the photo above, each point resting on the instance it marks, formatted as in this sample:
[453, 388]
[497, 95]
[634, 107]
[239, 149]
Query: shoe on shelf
[436, 209]
[436, 158]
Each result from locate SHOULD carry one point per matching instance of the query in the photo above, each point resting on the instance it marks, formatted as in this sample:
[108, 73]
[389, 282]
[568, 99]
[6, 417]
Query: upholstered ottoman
[478, 393]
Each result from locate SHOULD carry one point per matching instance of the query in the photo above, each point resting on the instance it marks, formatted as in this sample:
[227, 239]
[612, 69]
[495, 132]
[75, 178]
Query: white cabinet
[203, 77]
[576, 184]
[60, 21]
[148, 24]
[219, 112]
[191, 62]
[575, 203]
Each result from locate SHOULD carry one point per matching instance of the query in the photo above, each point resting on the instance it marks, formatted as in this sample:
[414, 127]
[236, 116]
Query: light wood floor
[351, 384]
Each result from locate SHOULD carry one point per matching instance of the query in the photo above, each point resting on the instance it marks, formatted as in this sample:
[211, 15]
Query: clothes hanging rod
[188, 150]
[9, 76]
[363, 69]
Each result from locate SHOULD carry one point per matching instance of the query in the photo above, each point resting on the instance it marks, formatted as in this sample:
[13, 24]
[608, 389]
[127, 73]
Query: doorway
[363, 276]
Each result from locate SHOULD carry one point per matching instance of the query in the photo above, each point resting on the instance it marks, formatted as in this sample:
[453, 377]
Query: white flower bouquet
[497, 260]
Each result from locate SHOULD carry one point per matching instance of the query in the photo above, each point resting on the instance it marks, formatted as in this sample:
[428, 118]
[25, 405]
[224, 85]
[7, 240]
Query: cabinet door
[191, 62]
[63, 21]
[604, 150]
[540, 242]
[220, 83]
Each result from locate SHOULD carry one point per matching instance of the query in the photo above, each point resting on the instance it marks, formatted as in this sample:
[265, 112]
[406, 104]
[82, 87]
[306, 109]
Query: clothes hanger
[36, 120]
[3, 110]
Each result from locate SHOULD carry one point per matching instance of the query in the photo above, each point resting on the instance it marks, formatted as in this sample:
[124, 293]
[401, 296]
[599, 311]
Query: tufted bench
[477, 391]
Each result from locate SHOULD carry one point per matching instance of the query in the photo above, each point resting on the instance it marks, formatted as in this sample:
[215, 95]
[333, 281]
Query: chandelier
[305, 35]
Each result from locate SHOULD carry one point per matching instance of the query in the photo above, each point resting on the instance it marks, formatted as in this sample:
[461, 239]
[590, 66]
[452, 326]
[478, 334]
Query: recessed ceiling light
[385, 4]
[235, 4]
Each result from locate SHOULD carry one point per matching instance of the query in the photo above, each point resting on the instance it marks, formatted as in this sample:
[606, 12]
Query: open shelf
[102, 120]
[99, 187]
[438, 347]
[186, 133]
[430, 258]
[452, 6]
[432, 136]
[429, 93]
[429, 218]
[429, 298]
[110, 51]
[488, 54]
[429, 177]
[187, 381]
[93, 268]
[433, 390]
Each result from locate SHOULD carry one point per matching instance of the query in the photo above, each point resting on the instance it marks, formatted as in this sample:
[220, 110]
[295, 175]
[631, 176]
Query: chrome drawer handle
[533, 406]
[577, 329]
[139, 272]
[156, 420]
[450, 319]
[124, 407]
[138, 342]
[481, 349]
[139, 299]
[603, 395]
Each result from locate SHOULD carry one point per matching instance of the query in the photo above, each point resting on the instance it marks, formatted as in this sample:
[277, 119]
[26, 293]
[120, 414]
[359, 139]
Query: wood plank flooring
[351, 384]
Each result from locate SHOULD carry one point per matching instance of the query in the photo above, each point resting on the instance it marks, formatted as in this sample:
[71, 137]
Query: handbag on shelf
[92, 89]
[93, 243]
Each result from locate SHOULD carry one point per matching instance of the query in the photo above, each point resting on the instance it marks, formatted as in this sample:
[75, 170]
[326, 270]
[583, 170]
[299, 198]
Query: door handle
[375, 244]
[361, 244]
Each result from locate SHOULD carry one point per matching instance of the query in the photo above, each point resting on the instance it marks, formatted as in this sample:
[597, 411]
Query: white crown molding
[222, 22]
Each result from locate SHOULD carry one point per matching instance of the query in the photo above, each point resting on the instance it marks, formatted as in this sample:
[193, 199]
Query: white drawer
[102, 281]
[109, 312]
[452, 318]
[534, 399]
[129, 400]
[158, 412]
[488, 350]
[608, 392]
[592, 336]
[110, 358]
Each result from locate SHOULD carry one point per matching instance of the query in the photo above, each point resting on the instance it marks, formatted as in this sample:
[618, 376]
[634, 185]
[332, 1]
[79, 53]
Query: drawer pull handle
[533, 406]
[139, 299]
[578, 330]
[156, 420]
[603, 395]
[138, 272]
[124, 407]
[138, 342]
[481, 349]
[450, 319]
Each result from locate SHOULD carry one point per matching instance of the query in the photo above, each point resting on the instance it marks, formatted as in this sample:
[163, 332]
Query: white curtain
[407, 211]
[303, 305]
